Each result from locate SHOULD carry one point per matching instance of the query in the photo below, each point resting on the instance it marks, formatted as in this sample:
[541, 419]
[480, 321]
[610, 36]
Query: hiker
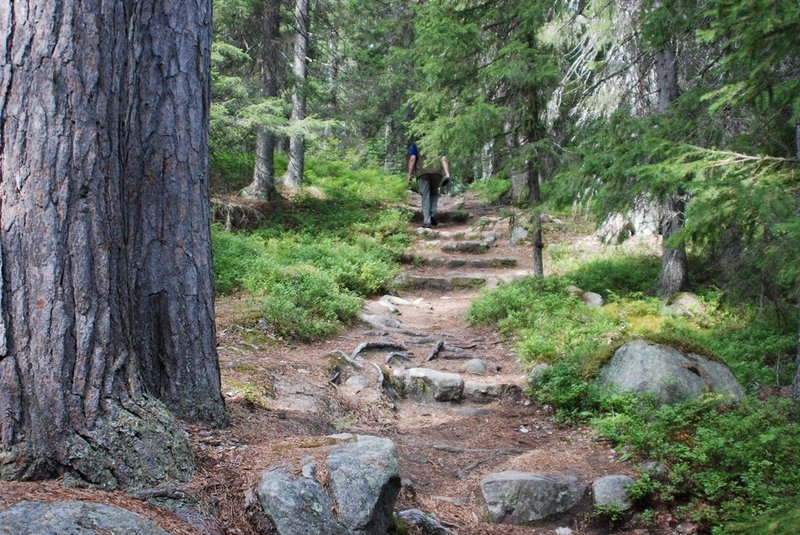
[429, 180]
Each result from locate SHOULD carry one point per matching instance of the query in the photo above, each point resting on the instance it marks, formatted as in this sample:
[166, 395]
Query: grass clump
[548, 323]
[617, 276]
[304, 303]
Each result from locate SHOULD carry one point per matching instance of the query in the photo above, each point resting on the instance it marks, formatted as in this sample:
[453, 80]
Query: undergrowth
[490, 190]
[726, 463]
[307, 268]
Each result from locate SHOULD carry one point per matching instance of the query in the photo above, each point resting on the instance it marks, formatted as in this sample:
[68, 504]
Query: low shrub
[234, 254]
[725, 462]
[490, 189]
[310, 265]
[622, 274]
[305, 303]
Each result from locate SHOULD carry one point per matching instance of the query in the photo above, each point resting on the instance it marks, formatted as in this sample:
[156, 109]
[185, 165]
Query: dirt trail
[446, 448]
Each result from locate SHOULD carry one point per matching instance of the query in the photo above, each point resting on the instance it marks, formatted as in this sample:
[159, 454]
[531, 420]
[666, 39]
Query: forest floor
[282, 402]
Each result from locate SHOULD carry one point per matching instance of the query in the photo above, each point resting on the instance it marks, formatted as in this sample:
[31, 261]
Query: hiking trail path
[446, 447]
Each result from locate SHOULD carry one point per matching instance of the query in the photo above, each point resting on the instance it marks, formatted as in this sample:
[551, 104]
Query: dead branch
[455, 449]
[450, 347]
[459, 355]
[462, 473]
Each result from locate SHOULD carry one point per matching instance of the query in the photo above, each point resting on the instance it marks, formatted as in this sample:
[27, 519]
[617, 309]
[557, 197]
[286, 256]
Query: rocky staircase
[422, 359]
[450, 396]
[471, 253]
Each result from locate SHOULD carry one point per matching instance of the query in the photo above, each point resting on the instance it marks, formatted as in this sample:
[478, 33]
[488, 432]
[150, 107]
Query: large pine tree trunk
[104, 239]
[168, 221]
[263, 184]
[297, 148]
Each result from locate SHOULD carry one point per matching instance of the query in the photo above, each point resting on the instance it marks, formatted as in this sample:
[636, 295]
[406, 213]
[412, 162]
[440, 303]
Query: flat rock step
[424, 384]
[436, 234]
[470, 247]
[475, 263]
[454, 282]
[440, 284]
[452, 216]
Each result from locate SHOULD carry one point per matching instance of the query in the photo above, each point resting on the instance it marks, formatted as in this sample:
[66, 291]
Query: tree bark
[294, 172]
[796, 381]
[104, 239]
[666, 77]
[536, 220]
[388, 134]
[168, 223]
[487, 160]
[519, 174]
[797, 139]
[674, 266]
[263, 184]
[674, 273]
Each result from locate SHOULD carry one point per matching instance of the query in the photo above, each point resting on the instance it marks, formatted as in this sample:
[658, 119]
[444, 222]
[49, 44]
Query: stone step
[445, 283]
[475, 263]
[451, 216]
[424, 384]
[469, 247]
[435, 234]
[457, 281]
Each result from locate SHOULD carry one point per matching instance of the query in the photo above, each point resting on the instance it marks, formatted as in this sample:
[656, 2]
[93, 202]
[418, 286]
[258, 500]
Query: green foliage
[648, 518]
[374, 73]
[483, 71]
[308, 285]
[234, 255]
[611, 512]
[757, 38]
[309, 267]
[547, 322]
[303, 302]
[359, 265]
[230, 170]
[785, 522]
[725, 462]
[550, 325]
[618, 276]
[756, 196]
[353, 203]
[490, 189]
[343, 181]
[397, 527]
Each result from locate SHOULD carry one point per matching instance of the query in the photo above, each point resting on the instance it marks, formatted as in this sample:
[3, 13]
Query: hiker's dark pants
[429, 190]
